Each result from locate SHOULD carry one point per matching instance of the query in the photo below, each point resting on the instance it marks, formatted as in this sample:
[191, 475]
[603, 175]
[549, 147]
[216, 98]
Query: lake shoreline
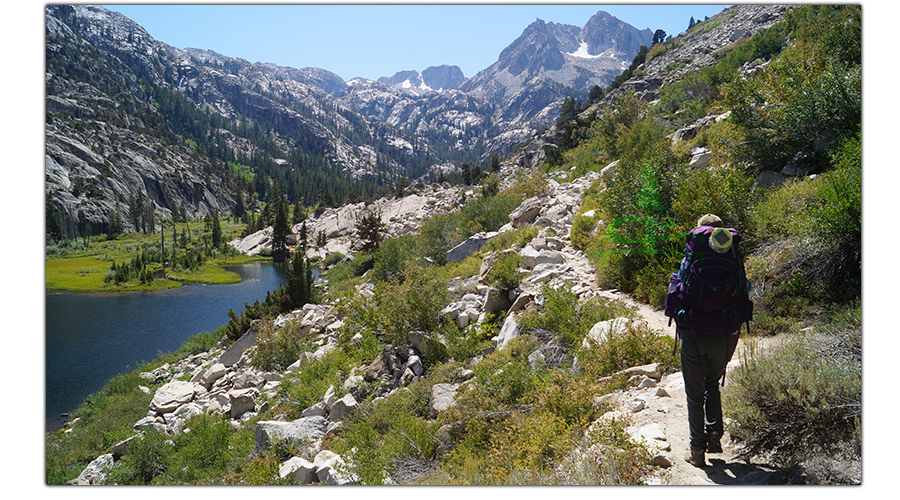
[92, 337]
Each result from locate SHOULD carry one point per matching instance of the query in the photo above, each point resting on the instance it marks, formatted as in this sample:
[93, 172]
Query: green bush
[392, 257]
[468, 342]
[365, 451]
[439, 233]
[530, 444]
[104, 419]
[582, 233]
[394, 436]
[412, 305]
[564, 314]
[300, 390]
[203, 454]
[332, 259]
[813, 233]
[148, 458]
[347, 274]
[652, 280]
[621, 460]
[516, 238]
[505, 274]
[278, 348]
[258, 471]
[726, 192]
[638, 345]
[486, 213]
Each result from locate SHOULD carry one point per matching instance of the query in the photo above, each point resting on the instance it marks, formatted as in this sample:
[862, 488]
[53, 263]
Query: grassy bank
[88, 267]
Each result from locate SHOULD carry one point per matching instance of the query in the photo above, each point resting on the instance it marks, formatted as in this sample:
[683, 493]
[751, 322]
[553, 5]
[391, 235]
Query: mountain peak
[434, 78]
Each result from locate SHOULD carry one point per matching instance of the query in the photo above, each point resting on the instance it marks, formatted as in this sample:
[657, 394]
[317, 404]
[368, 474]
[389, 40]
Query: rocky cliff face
[98, 155]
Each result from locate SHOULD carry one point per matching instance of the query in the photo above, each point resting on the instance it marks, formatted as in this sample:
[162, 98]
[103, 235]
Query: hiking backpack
[710, 292]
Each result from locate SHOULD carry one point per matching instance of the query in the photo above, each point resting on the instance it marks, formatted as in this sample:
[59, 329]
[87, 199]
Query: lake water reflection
[91, 337]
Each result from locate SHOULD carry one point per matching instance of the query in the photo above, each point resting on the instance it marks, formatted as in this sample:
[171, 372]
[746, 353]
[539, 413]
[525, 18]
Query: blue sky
[372, 40]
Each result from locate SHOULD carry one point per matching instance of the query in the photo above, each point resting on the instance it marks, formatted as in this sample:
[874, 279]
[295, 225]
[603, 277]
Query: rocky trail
[662, 422]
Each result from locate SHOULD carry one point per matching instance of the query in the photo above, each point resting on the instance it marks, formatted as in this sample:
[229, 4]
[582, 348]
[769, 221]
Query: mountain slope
[131, 117]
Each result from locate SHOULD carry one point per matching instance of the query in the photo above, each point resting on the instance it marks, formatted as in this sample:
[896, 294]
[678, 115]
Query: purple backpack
[710, 292]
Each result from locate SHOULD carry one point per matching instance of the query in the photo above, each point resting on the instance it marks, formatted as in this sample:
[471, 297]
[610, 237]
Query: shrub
[302, 389]
[486, 213]
[691, 92]
[505, 380]
[516, 238]
[529, 443]
[439, 233]
[527, 185]
[147, 459]
[469, 342]
[641, 231]
[466, 268]
[277, 348]
[395, 436]
[258, 471]
[505, 274]
[203, 453]
[651, 281]
[571, 398]
[582, 232]
[414, 304]
[638, 345]
[812, 230]
[726, 192]
[802, 399]
[393, 256]
[332, 259]
[807, 99]
[564, 314]
[365, 452]
[621, 461]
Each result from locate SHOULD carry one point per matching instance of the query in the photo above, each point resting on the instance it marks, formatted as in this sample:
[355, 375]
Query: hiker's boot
[714, 444]
[696, 457]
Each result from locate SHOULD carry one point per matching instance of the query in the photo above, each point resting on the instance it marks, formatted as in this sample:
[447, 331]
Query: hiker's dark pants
[703, 361]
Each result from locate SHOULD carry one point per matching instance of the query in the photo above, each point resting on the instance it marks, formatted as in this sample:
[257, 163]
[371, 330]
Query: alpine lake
[92, 337]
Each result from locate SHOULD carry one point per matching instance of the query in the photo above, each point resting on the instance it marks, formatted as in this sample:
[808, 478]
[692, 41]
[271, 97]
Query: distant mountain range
[129, 117]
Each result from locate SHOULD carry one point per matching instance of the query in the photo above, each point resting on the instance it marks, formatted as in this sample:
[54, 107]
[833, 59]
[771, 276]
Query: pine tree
[495, 162]
[298, 282]
[659, 37]
[303, 236]
[466, 174]
[280, 230]
[116, 224]
[216, 229]
[368, 232]
[184, 218]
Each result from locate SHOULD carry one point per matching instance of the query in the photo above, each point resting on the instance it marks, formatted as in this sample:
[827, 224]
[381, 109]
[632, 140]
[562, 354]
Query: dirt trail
[670, 414]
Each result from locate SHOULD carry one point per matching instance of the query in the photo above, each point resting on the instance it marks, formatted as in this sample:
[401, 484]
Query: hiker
[709, 300]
